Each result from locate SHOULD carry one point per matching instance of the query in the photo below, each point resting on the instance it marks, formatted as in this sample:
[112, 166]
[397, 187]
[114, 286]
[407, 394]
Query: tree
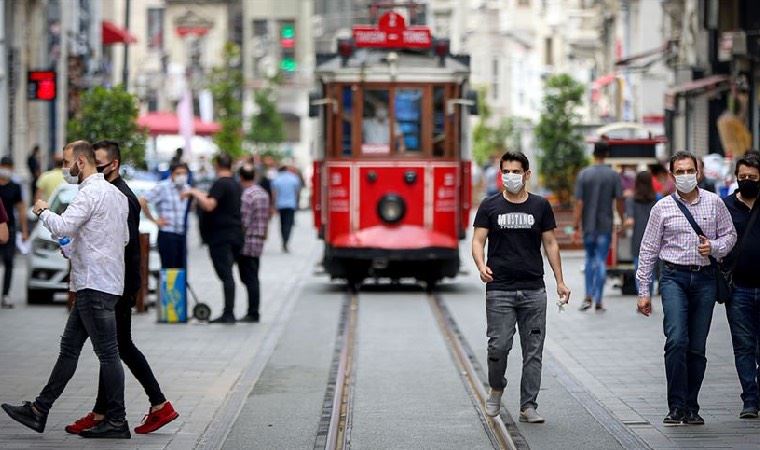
[110, 114]
[267, 127]
[562, 153]
[488, 140]
[226, 87]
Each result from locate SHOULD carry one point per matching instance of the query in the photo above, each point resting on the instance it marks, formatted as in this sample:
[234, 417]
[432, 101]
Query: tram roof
[376, 66]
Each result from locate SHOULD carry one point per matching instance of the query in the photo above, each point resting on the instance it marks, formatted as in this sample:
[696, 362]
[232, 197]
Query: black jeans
[132, 357]
[287, 220]
[92, 316]
[7, 253]
[171, 249]
[249, 275]
[223, 256]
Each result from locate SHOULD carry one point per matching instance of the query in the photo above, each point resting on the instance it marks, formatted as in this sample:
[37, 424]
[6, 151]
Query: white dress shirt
[96, 223]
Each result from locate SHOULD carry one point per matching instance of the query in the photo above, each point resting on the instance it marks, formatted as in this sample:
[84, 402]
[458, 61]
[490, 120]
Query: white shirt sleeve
[67, 224]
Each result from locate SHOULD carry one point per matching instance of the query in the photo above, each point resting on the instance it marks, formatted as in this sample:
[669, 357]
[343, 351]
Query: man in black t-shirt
[516, 224]
[225, 237]
[10, 193]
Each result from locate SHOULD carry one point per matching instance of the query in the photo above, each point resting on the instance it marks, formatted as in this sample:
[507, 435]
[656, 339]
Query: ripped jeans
[527, 310]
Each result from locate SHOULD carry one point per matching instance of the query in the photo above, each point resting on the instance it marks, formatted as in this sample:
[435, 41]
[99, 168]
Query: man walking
[254, 206]
[595, 190]
[743, 311]
[222, 208]
[285, 189]
[161, 412]
[516, 223]
[96, 223]
[688, 283]
[10, 194]
[172, 208]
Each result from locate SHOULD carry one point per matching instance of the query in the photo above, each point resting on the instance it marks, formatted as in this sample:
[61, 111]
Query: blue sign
[172, 298]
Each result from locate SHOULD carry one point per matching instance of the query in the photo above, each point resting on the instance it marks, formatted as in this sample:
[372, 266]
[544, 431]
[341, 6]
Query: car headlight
[391, 208]
[44, 247]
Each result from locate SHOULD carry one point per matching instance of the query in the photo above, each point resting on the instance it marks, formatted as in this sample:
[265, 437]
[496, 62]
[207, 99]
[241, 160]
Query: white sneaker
[5, 303]
[493, 403]
[530, 415]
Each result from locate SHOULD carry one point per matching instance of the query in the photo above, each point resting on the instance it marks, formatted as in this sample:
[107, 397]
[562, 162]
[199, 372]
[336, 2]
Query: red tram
[391, 183]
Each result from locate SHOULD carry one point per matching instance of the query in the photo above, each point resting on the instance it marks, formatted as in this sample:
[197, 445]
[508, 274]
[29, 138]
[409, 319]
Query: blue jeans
[92, 317]
[688, 299]
[743, 312]
[597, 247]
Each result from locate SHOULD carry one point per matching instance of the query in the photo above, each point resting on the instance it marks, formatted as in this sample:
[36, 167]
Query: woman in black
[637, 209]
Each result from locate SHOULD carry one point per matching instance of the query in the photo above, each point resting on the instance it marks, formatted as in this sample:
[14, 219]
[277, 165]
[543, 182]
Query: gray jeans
[526, 309]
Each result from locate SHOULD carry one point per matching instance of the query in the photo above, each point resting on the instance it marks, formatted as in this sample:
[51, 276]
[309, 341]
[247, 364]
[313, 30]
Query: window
[376, 123]
[495, 79]
[347, 106]
[523, 2]
[439, 121]
[260, 28]
[549, 52]
[155, 28]
[408, 126]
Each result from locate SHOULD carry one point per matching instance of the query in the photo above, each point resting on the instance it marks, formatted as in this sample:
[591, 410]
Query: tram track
[334, 430]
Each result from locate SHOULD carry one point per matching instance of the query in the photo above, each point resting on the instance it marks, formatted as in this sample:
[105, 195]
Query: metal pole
[125, 71]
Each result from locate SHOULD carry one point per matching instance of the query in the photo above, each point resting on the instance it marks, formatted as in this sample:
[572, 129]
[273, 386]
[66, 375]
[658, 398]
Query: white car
[48, 270]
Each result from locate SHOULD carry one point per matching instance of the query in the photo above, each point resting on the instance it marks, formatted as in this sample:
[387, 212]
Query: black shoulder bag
[724, 284]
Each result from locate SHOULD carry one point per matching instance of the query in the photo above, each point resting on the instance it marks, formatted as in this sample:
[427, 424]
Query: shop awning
[168, 123]
[696, 87]
[114, 34]
[657, 51]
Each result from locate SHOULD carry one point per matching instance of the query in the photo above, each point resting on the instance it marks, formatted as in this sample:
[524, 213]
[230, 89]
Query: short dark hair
[680, 155]
[247, 172]
[515, 156]
[753, 152]
[749, 160]
[111, 147]
[6, 161]
[601, 149]
[643, 188]
[178, 165]
[223, 160]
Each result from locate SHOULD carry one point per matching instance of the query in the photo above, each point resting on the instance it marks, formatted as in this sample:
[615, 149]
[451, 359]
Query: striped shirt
[670, 237]
[165, 196]
[254, 211]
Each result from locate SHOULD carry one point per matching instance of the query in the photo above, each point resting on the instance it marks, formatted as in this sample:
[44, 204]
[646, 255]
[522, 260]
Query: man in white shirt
[96, 224]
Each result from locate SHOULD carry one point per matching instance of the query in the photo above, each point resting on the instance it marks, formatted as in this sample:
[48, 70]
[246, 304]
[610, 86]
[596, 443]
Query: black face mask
[749, 188]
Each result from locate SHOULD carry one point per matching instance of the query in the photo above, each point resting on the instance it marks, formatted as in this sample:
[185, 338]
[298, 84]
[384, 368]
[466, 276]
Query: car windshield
[61, 201]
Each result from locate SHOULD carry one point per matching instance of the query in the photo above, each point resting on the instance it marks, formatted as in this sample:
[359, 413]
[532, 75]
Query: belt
[686, 268]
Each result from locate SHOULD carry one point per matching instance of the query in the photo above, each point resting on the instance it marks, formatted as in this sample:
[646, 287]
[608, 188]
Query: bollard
[144, 273]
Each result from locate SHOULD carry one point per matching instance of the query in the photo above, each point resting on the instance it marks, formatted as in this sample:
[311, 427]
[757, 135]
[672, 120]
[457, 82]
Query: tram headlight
[391, 208]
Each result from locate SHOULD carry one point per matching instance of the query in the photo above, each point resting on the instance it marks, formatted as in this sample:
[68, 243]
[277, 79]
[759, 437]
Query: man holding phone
[516, 223]
[688, 284]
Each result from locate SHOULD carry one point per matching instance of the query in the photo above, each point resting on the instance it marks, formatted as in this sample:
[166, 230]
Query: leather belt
[686, 268]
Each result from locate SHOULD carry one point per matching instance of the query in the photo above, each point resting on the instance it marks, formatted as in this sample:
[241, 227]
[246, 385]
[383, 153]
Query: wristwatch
[38, 213]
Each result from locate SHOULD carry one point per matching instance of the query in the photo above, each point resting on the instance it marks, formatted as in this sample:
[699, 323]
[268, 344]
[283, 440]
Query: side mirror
[314, 108]
[474, 108]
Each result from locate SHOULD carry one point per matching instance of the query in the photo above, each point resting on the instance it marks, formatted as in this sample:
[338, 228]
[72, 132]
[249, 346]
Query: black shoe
[674, 417]
[587, 303]
[108, 430]
[749, 412]
[599, 307]
[692, 418]
[250, 319]
[27, 415]
[224, 319]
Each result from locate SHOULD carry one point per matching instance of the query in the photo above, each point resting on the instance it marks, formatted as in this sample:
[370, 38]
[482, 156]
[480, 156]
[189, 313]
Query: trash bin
[172, 296]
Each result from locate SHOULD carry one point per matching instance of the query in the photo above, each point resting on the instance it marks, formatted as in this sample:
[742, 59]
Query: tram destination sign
[391, 32]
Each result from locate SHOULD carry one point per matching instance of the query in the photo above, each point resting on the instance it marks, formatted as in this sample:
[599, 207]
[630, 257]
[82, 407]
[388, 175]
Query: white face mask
[180, 180]
[68, 177]
[382, 113]
[513, 182]
[686, 183]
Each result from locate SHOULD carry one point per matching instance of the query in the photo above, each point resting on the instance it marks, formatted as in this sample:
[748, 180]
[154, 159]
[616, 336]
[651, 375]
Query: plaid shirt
[254, 210]
[170, 207]
[670, 237]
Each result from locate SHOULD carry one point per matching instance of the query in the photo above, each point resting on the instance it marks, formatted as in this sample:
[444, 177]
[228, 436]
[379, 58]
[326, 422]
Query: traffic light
[288, 64]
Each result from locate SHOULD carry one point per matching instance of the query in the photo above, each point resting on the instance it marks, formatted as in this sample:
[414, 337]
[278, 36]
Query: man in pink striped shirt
[688, 282]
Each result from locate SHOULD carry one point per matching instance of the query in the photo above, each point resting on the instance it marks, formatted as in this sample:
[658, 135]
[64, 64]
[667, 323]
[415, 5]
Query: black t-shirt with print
[514, 240]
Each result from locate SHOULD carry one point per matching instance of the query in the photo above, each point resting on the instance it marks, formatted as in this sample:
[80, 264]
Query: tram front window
[376, 124]
[408, 110]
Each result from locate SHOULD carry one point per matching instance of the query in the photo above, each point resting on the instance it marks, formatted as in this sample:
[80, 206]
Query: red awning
[604, 80]
[114, 34]
[168, 123]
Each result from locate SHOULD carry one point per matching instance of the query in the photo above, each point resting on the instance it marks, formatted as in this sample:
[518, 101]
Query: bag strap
[694, 225]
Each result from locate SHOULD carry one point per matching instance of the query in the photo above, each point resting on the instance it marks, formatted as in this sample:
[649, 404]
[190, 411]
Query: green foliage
[267, 127]
[226, 87]
[110, 114]
[488, 140]
[562, 153]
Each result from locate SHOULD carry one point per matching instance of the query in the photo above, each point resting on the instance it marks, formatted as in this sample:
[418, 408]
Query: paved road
[603, 374]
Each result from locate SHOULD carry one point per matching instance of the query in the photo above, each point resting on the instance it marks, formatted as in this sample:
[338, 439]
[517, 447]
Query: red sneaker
[85, 423]
[156, 419]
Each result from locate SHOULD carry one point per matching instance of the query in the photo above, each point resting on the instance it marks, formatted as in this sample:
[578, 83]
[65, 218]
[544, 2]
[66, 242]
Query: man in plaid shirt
[688, 284]
[254, 209]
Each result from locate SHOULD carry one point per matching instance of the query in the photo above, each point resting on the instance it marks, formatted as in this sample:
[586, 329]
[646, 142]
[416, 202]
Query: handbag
[723, 274]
